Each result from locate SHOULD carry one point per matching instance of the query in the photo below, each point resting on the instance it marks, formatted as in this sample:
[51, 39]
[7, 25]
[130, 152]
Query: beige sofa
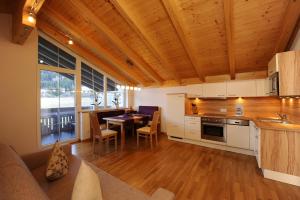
[24, 179]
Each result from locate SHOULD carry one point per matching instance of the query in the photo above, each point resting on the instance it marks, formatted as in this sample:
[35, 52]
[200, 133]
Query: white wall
[18, 90]
[156, 97]
[296, 43]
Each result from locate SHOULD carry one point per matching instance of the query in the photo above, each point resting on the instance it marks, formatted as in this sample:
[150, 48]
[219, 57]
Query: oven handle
[212, 124]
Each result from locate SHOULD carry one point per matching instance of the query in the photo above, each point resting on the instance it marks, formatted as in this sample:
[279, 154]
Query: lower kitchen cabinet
[192, 128]
[280, 151]
[238, 136]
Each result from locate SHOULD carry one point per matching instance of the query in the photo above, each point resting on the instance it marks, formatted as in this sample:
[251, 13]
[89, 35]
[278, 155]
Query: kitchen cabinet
[238, 136]
[280, 151]
[175, 110]
[289, 73]
[192, 128]
[262, 87]
[244, 88]
[214, 90]
[194, 91]
[273, 66]
[256, 147]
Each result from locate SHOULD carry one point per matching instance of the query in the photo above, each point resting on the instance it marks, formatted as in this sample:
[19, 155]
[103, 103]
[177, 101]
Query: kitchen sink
[273, 120]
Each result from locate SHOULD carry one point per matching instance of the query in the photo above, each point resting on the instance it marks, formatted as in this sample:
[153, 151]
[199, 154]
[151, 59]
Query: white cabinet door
[175, 115]
[238, 136]
[214, 89]
[195, 90]
[252, 135]
[245, 88]
[192, 128]
[262, 87]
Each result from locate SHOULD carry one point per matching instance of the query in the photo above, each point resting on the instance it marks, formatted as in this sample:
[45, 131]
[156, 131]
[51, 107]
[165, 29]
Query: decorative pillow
[87, 184]
[58, 163]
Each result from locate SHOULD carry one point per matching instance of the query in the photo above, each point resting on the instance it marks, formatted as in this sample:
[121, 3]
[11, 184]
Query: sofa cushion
[60, 189]
[115, 189]
[8, 157]
[87, 184]
[16, 181]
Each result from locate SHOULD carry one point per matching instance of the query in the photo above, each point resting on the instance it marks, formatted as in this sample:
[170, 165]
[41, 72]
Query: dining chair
[149, 131]
[103, 135]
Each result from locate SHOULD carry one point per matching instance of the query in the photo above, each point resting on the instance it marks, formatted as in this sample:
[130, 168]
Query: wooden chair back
[95, 126]
[154, 123]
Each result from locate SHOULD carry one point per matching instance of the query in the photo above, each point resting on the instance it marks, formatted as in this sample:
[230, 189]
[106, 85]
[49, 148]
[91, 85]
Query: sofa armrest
[37, 159]
[162, 194]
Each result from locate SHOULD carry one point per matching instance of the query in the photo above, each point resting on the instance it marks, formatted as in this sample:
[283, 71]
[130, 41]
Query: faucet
[282, 116]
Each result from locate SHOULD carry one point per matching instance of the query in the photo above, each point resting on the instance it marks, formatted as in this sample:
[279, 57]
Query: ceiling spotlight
[131, 88]
[135, 88]
[122, 87]
[70, 42]
[127, 87]
[31, 18]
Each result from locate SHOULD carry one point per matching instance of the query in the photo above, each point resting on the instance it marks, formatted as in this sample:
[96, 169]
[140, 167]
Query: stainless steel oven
[213, 129]
[274, 84]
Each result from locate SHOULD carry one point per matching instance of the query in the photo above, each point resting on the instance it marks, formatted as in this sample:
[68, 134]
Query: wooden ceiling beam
[93, 19]
[290, 19]
[83, 52]
[89, 42]
[22, 27]
[228, 12]
[170, 10]
[146, 39]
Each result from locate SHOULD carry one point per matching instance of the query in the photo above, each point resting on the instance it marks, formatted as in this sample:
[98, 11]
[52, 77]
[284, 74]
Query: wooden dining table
[121, 120]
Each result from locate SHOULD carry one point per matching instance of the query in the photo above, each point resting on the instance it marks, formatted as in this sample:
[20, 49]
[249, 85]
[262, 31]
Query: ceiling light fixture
[31, 17]
[70, 41]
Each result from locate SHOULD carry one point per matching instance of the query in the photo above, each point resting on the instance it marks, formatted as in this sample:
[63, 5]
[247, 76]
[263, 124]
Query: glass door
[57, 107]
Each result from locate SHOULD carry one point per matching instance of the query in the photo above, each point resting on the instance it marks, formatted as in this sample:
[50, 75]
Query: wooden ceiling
[155, 41]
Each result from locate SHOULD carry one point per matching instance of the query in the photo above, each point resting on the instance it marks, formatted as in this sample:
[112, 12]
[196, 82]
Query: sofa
[23, 178]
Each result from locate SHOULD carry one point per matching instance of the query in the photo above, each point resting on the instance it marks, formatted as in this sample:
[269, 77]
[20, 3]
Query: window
[49, 54]
[57, 93]
[92, 87]
[115, 95]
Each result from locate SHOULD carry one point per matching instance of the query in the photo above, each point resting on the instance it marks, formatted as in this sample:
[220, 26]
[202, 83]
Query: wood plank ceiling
[155, 41]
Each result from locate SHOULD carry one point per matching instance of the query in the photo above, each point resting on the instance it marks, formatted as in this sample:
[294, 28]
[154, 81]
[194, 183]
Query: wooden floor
[190, 171]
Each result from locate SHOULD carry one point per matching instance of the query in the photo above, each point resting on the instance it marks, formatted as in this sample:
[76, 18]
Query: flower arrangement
[97, 100]
[116, 101]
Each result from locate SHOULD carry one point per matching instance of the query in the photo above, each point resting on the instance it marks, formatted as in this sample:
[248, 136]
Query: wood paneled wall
[253, 107]
[291, 107]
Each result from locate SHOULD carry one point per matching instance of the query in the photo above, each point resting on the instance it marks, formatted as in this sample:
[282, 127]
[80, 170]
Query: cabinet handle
[232, 95]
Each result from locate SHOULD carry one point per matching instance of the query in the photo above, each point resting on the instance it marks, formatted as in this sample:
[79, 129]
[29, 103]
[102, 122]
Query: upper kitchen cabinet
[273, 65]
[245, 88]
[289, 73]
[214, 90]
[262, 87]
[195, 90]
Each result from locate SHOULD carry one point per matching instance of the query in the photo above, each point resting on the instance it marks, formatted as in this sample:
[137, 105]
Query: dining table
[124, 119]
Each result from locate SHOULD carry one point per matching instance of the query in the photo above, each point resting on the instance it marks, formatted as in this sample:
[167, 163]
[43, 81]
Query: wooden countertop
[259, 124]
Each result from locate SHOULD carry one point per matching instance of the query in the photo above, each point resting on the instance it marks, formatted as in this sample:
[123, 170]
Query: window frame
[77, 74]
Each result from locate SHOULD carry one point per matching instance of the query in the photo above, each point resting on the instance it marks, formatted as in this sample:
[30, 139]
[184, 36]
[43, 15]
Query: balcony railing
[57, 120]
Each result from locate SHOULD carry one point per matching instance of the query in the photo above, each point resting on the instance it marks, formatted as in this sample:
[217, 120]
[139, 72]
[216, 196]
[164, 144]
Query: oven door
[214, 132]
